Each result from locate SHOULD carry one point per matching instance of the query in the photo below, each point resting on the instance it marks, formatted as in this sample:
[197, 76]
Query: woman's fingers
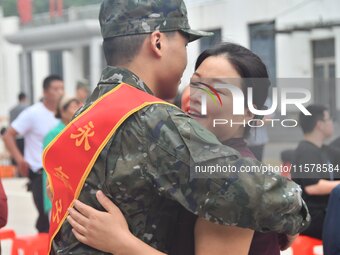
[78, 217]
[81, 238]
[94, 227]
[76, 225]
[105, 202]
[83, 208]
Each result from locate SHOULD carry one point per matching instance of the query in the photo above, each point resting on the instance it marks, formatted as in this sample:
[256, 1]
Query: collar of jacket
[116, 75]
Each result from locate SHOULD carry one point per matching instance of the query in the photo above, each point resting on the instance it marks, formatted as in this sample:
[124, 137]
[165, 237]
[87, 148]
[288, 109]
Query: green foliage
[9, 7]
[68, 3]
[39, 6]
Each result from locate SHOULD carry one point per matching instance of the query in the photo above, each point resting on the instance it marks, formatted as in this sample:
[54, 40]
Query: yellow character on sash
[63, 177]
[83, 136]
[57, 211]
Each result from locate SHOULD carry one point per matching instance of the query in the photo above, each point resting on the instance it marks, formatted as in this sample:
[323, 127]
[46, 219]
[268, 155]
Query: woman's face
[215, 70]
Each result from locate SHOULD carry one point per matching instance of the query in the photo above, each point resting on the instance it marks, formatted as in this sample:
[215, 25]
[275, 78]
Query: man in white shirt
[33, 124]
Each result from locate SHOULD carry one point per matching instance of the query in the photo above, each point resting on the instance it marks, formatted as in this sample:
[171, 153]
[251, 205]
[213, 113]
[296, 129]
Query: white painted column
[40, 70]
[337, 67]
[95, 61]
[71, 73]
[2, 80]
[26, 78]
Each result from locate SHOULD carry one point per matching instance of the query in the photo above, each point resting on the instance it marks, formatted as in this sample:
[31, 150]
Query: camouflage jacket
[145, 170]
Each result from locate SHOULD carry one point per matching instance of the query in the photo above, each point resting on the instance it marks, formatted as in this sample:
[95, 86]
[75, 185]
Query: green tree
[9, 7]
[68, 3]
[39, 6]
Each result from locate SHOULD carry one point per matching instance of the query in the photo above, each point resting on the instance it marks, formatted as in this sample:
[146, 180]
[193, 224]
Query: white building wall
[337, 61]
[40, 62]
[73, 69]
[294, 58]
[96, 63]
[233, 17]
[337, 51]
[293, 51]
[70, 70]
[9, 65]
[296, 61]
[73, 61]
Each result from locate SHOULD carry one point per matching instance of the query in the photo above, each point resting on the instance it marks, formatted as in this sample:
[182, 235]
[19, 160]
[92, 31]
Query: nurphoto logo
[242, 101]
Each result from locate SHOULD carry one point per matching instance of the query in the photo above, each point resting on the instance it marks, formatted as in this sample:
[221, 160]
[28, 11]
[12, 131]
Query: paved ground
[22, 213]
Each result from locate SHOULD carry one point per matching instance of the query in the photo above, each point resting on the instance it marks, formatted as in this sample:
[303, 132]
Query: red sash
[69, 158]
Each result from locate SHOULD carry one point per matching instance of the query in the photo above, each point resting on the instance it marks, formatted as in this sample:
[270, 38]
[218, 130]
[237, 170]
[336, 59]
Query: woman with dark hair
[227, 63]
[230, 63]
[247, 71]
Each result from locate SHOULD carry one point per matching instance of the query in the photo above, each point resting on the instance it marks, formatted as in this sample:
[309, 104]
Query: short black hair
[308, 122]
[21, 96]
[247, 64]
[122, 49]
[3, 131]
[49, 79]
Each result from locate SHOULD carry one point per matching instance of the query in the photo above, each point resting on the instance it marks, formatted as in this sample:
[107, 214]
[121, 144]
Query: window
[262, 42]
[324, 74]
[210, 41]
[25, 67]
[86, 63]
[56, 62]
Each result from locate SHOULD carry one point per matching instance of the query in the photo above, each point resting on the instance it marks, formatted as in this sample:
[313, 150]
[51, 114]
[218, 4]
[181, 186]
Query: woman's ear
[156, 41]
[248, 115]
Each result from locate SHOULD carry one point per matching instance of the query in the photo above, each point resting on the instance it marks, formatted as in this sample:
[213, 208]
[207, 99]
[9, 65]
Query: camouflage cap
[130, 17]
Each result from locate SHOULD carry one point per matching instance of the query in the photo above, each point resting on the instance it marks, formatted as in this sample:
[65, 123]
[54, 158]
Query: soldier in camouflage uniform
[145, 166]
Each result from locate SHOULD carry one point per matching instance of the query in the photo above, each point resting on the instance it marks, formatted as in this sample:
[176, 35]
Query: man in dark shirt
[13, 114]
[331, 231]
[16, 110]
[313, 166]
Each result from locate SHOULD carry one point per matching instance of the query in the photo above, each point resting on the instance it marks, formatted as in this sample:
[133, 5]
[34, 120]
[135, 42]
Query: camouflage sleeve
[256, 200]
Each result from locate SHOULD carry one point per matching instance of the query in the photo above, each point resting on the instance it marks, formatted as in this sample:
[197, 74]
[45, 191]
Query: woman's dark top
[184, 243]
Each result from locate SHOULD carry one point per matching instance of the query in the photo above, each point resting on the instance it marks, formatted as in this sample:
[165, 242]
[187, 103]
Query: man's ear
[156, 41]
[318, 124]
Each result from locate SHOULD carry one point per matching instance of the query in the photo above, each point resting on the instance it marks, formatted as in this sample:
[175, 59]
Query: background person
[13, 114]
[82, 91]
[33, 124]
[316, 185]
[331, 230]
[16, 110]
[67, 107]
